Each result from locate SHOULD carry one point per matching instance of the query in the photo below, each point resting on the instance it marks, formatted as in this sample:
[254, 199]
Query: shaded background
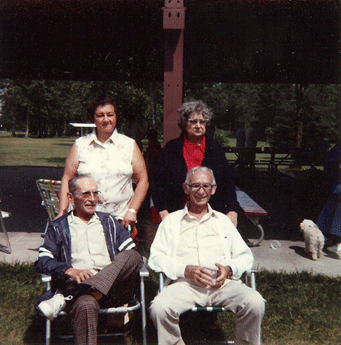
[232, 41]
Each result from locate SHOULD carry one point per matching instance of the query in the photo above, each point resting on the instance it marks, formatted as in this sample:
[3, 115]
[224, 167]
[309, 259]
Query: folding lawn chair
[250, 280]
[49, 192]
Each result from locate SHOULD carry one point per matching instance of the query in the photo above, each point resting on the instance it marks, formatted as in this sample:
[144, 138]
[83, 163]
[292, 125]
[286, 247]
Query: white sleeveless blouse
[110, 165]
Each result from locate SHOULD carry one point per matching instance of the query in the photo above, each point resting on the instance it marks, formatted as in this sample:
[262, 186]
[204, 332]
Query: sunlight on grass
[301, 309]
[17, 151]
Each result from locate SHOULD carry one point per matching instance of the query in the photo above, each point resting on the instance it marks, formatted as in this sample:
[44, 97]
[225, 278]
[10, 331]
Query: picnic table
[268, 156]
[253, 211]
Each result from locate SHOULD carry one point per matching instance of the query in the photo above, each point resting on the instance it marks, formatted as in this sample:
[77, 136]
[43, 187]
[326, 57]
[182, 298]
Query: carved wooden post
[174, 25]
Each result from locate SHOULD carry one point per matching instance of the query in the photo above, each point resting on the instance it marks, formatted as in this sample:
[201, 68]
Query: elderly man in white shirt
[92, 259]
[190, 245]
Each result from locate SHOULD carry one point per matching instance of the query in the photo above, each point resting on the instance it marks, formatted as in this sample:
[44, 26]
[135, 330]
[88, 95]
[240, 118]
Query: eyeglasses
[196, 186]
[87, 194]
[193, 122]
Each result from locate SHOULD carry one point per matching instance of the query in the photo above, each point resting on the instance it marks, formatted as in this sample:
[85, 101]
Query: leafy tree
[45, 107]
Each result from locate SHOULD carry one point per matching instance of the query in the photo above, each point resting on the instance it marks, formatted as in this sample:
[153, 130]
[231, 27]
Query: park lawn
[301, 309]
[18, 151]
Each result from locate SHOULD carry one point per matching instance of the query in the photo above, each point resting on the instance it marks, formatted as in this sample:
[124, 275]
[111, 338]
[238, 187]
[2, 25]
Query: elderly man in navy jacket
[92, 260]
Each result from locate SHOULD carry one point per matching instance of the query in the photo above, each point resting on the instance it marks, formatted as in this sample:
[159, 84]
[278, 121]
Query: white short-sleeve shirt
[110, 165]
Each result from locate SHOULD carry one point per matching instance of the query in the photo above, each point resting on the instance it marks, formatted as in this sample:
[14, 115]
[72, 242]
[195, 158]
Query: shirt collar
[72, 218]
[112, 138]
[210, 213]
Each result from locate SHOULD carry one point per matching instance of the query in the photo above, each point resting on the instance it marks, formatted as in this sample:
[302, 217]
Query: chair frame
[118, 310]
[49, 192]
[250, 280]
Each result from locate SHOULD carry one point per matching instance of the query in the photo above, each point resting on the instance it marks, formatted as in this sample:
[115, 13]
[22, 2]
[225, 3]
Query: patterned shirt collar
[112, 139]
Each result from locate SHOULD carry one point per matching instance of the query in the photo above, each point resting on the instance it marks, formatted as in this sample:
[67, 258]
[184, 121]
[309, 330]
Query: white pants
[183, 295]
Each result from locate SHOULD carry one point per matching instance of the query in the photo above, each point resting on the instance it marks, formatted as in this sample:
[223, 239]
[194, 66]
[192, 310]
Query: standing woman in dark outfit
[193, 148]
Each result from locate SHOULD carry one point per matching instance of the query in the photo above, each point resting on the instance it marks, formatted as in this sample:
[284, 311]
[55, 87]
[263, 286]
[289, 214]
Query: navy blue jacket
[55, 253]
[170, 173]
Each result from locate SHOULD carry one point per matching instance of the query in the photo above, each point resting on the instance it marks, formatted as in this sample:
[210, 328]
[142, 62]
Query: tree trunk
[153, 89]
[27, 124]
[14, 120]
[299, 122]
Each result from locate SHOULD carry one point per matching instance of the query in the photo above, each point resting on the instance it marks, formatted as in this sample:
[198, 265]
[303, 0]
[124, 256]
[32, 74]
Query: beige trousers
[183, 295]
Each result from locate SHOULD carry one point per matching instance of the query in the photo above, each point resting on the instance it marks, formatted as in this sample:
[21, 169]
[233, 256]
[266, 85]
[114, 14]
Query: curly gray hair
[193, 106]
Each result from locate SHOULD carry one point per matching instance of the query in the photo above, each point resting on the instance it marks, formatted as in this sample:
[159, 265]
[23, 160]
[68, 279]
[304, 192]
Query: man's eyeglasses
[87, 194]
[196, 186]
[195, 121]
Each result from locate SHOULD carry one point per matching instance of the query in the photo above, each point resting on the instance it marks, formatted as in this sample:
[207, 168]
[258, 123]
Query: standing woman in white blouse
[113, 160]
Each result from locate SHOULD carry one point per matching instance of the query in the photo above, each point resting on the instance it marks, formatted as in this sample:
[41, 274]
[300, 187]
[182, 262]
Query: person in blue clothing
[92, 259]
[329, 221]
[193, 148]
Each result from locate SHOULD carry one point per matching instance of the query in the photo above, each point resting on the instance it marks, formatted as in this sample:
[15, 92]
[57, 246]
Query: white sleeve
[163, 250]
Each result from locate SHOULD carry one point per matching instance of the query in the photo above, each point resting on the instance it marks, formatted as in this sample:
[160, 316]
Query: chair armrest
[144, 273]
[250, 278]
[45, 278]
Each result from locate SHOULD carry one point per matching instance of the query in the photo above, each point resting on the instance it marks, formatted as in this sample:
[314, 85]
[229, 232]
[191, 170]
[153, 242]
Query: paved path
[20, 197]
[290, 257]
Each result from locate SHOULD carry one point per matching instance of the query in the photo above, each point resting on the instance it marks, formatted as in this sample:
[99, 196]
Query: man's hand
[201, 276]
[234, 217]
[224, 272]
[78, 275]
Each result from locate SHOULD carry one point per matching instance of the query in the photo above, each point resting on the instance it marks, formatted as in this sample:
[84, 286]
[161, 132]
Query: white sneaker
[53, 306]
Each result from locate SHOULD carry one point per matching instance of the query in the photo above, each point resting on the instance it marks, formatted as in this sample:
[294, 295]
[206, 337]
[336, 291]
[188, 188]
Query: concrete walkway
[289, 258]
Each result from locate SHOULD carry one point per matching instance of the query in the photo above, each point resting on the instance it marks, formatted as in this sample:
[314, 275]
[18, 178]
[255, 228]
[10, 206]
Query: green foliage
[44, 108]
[222, 137]
[275, 107]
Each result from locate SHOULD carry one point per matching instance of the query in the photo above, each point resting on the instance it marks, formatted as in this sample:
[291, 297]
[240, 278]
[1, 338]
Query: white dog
[313, 238]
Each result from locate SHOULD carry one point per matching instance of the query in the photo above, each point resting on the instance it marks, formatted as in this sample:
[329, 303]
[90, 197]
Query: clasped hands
[203, 276]
[78, 275]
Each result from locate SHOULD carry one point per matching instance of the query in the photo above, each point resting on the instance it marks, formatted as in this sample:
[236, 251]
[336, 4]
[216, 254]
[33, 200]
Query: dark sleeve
[123, 238]
[49, 254]
[158, 183]
[231, 195]
[228, 184]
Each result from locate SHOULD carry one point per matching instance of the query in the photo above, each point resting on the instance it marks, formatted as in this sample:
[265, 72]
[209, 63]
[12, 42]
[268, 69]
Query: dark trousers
[116, 282]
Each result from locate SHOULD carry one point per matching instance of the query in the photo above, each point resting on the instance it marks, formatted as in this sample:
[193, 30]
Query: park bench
[253, 211]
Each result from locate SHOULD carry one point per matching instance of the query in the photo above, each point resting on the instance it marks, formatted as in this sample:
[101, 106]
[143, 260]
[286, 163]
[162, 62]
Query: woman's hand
[129, 218]
[163, 214]
[234, 217]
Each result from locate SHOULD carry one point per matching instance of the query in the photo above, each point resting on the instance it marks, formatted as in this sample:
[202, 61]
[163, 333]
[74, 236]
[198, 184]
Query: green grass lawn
[34, 151]
[301, 309]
